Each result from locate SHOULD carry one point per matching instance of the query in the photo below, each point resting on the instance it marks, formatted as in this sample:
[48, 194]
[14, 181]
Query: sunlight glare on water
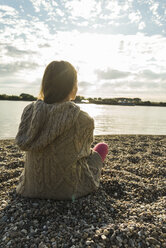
[111, 119]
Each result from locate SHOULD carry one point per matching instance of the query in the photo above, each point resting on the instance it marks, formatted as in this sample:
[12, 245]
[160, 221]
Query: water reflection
[108, 119]
[127, 119]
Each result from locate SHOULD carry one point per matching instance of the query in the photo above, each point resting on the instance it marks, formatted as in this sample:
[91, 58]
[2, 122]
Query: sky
[117, 46]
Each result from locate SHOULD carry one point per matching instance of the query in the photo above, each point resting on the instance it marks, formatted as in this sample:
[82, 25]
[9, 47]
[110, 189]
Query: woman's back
[59, 162]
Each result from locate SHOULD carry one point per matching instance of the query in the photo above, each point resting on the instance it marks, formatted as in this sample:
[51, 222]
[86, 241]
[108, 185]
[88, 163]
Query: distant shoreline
[120, 101]
[128, 105]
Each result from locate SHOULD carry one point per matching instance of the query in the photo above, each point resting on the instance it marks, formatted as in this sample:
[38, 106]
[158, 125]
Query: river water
[109, 119]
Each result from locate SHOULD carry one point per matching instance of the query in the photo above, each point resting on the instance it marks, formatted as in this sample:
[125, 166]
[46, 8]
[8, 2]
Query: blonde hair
[58, 81]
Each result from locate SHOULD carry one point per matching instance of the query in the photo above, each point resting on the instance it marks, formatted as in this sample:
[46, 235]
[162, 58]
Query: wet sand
[128, 210]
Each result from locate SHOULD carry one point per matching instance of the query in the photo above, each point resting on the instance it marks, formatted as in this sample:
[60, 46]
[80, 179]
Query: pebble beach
[128, 209]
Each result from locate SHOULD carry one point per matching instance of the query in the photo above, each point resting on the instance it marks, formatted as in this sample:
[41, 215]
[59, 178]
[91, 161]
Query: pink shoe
[102, 149]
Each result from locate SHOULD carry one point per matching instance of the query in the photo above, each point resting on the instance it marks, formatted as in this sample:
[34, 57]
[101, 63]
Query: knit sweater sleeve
[23, 126]
[83, 134]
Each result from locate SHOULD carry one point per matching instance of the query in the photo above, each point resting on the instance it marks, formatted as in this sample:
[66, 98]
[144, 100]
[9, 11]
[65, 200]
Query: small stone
[12, 219]
[15, 228]
[163, 235]
[42, 245]
[33, 246]
[35, 222]
[54, 245]
[105, 232]
[97, 232]
[4, 238]
[88, 242]
[24, 231]
[13, 234]
[119, 239]
[152, 240]
[98, 246]
[32, 230]
[35, 204]
[103, 237]
[113, 236]
[3, 219]
[85, 235]
[3, 202]
[9, 243]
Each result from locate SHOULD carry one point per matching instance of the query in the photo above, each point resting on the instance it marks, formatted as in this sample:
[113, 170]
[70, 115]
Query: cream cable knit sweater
[59, 162]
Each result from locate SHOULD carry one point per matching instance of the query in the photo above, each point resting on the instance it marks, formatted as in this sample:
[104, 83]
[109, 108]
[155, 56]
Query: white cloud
[125, 88]
[156, 17]
[150, 75]
[116, 7]
[154, 8]
[46, 5]
[50, 7]
[36, 4]
[8, 15]
[15, 52]
[141, 25]
[7, 10]
[115, 10]
[83, 24]
[59, 12]
[85, 9]
[135, 17]
[110, 74]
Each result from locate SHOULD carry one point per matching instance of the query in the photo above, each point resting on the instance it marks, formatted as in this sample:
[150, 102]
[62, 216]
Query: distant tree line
[99, 100]
[118, 101]
[22, 97]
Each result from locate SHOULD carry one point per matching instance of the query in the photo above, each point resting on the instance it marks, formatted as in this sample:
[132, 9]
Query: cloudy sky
[117, 46]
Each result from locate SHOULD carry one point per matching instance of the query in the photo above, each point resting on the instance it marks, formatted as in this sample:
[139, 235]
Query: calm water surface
[109, 119]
